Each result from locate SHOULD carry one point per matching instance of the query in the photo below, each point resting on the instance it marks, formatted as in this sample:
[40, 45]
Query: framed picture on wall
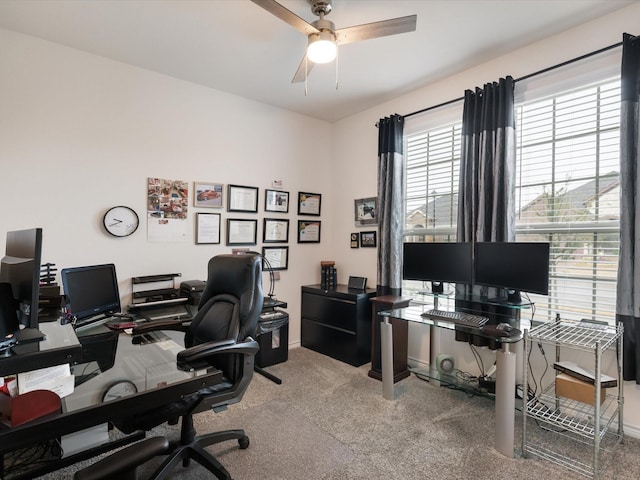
[207, 228]
[275, 230]
[308, 231]
[368, 239]
[309, 203]
[275, 257]
[366, 211]
[207, 194]
[242, 199]
[241, 231]
[355, 240]
[276, 201]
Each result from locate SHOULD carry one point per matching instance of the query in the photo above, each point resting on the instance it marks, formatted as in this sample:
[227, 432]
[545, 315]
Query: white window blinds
[568, 194]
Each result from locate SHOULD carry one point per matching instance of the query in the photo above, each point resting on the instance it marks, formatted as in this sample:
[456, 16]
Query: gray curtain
[390, 202]
[628, 294]
[486, 205]
[486, 208]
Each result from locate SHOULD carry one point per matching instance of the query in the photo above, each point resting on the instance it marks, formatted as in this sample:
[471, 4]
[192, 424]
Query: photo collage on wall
[167, 208]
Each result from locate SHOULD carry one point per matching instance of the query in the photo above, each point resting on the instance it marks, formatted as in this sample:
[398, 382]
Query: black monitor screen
[91, 290]
[21, 268]
[438, 262]
[516, 266]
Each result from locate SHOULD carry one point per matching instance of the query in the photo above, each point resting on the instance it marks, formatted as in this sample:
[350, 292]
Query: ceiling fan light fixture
[322, 47]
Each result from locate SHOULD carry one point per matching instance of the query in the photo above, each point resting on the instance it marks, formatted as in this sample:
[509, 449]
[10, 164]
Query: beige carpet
[328, 421]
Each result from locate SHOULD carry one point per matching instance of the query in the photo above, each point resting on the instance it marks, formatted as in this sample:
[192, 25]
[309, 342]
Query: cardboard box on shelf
[570, 387]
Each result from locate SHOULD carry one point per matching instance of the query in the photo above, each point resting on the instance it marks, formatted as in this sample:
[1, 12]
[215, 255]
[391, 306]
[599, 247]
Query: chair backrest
[231, 301]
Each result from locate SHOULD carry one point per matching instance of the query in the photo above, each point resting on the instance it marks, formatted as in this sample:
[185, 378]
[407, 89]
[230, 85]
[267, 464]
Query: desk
[505, 369]
[152, 367]
[59, 346]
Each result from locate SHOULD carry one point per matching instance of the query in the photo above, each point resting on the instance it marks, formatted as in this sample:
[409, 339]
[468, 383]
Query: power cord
[478, 358]
[32, 457]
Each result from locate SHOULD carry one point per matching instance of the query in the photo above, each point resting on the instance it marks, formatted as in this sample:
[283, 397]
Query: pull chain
[337, 55]
[306, 74]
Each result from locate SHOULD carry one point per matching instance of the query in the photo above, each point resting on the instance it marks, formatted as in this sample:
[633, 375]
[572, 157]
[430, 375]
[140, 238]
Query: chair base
[194, 450]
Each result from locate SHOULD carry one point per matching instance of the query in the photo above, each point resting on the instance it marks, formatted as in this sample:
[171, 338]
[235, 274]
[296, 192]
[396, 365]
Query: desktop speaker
[444, 363]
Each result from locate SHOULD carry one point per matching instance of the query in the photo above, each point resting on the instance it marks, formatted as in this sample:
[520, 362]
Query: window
[433, 166]
[566, 193]
[432, 172]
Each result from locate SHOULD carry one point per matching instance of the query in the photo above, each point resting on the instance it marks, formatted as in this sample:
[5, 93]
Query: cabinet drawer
[330, 341]
[335, 312]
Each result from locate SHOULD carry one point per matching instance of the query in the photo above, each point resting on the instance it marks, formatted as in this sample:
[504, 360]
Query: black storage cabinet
[272, 352]
[337, 322]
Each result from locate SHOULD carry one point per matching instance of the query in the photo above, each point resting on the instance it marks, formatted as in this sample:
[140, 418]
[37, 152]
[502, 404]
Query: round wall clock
[121, 221]
[119, 389]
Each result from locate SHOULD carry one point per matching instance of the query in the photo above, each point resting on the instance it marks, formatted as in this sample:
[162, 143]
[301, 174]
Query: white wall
[81, 133]
[355, 148]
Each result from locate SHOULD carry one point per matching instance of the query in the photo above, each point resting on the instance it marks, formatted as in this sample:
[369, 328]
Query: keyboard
[459, 318]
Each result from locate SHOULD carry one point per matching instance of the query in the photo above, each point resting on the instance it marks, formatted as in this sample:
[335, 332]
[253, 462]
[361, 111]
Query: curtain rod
[539, 72]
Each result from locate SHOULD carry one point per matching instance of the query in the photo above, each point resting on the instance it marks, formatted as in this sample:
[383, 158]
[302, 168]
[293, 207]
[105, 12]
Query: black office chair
[220, 336]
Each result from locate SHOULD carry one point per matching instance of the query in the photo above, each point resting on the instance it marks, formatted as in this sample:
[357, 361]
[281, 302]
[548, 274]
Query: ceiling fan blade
[300, 73]
[376, 29]
[286, 15]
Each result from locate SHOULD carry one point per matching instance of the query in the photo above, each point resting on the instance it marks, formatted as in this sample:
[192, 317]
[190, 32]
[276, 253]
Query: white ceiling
[237, 47]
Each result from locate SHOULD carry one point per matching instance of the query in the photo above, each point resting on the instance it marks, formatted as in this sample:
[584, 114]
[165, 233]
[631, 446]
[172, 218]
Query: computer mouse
[505, 327]
[492, 331]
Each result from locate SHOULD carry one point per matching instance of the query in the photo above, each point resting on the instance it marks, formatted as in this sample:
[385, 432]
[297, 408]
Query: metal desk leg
[268, 375]
[505, 400]
[434, 349]
[386, 344]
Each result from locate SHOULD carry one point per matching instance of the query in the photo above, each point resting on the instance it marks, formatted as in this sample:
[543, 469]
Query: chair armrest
[156, 325]
[197, 356]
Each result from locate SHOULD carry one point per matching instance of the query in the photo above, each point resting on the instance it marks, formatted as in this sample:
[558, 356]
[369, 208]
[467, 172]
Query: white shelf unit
[577, 435]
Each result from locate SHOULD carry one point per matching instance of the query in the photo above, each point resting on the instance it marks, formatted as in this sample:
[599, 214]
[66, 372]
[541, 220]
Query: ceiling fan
[323, 38]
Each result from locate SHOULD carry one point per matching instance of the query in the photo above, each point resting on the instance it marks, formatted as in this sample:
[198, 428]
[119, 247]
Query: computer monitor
[21, 268]
[438, 262]
[514, 266]
[91, 291]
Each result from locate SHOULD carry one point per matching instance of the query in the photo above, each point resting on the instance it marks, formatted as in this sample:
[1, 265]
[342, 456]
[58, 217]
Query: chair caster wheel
[243, 442]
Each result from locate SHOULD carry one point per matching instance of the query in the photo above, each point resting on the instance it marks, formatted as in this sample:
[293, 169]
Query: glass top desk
[60, 345]
[150, 366]
[505, 361]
